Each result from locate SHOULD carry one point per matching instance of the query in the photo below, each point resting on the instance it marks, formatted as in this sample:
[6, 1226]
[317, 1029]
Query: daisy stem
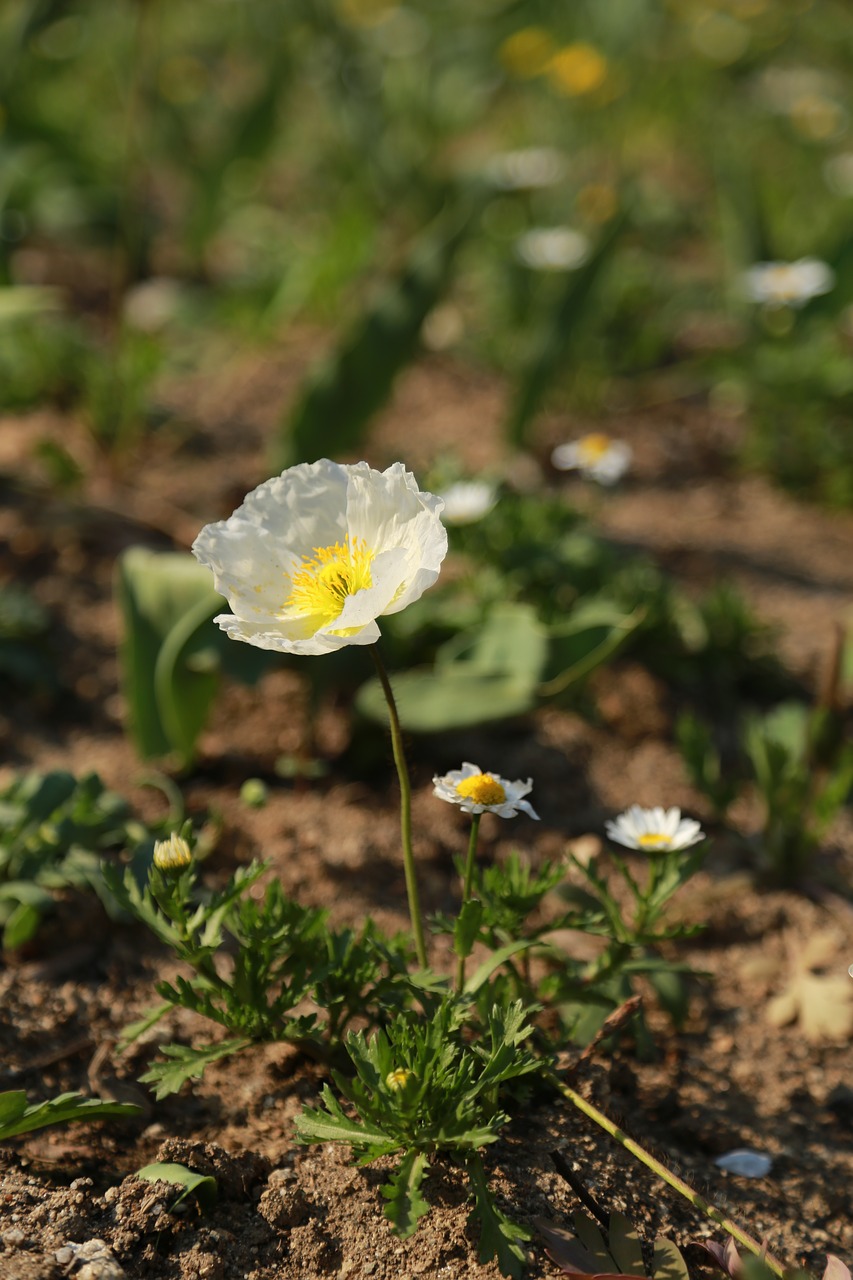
[405, 809]
[466, 887]
[671, 1179]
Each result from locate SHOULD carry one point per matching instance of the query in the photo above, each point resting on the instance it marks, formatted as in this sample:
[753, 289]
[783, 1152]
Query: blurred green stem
[466, 887]
[405, 808]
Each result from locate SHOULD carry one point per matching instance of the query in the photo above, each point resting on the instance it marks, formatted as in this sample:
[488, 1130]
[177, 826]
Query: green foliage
[801, 794]
[422, 1088]
[253, 961]
[173, 654]
[53, 830]
[17, 1116]
[703, 762]
[203, 1188]
[500, 668]
[24, 625]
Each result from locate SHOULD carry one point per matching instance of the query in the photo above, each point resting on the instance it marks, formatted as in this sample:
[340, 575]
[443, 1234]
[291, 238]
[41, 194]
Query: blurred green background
[572, 194]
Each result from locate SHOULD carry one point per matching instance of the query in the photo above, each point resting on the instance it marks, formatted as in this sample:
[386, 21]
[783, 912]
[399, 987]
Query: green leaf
[16, 1117]
[333, 1125]
[203, 1187]
[186, 1063]
[21, 925]
[481, 975]
[406, 1206]
[668, 1263]
[500, 1237]
[589, 637]
[155, 591]
[467, 927]
[625, 1245]
[488, 673]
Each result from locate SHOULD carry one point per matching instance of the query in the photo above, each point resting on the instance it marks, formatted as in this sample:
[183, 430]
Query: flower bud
[173, 854]
[398, 1079]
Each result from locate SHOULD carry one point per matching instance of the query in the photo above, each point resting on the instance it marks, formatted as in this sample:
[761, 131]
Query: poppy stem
[405, 809]
[671, 1179]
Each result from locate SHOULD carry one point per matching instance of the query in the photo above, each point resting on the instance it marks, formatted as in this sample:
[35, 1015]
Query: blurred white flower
[654, 830]
[477, 792]
[314, 556]
[552, 249]
[788, 284]
[152, 304]
[526, 170]
[596, 456]
[467, 501]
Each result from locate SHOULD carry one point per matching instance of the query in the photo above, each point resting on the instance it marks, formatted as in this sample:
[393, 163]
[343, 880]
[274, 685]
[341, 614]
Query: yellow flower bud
[173, 854]
[398, 1079]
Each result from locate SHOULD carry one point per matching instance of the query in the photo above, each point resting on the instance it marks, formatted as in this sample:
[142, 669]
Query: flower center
[594, 446]
[482, 789]
[654, 840]
[326, 579]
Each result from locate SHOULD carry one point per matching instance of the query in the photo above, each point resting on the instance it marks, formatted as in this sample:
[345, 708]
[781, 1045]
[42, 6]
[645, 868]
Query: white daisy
[477, 792]
[552, 249]
[654, 830]
[788, 284]
[596, 456]
[468, 501]
[314, 556]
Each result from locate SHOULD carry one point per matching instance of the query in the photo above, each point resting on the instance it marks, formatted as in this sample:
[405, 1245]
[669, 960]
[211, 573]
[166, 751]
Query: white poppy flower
[596, 456]
[552, 248]
[477, 792]
[654, 830]
[788, 284]
[468, 501]
[314, 556]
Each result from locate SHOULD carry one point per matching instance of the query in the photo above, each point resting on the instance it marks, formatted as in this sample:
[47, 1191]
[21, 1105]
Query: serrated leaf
[500, 1237]
[822, 1002]
[186, 1063]
[333, 1125]
[63, 1109]
[467, 927]
[406, 1206]
[202, 1186]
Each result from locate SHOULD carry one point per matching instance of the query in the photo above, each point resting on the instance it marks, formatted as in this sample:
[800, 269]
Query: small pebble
[14, 1238]
[745, 1163]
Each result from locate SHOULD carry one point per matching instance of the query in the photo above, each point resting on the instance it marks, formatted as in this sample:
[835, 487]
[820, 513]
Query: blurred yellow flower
[577, 69]
[817, 117]
[527, 53]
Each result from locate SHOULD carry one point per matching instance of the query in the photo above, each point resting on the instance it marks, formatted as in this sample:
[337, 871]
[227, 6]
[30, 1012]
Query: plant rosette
[476, 792]
[315, 555]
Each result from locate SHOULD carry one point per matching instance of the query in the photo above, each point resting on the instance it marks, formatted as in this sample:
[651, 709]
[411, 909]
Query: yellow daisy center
[594, 446]
[482, 789]
[321, 587]
[654, 840]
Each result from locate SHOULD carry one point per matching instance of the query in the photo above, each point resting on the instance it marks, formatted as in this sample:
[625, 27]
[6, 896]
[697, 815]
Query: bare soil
[730, 1079]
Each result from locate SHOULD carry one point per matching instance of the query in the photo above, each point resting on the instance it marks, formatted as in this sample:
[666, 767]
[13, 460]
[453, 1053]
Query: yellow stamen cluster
[398, 1079]
[482, 789]
[321, 586]
[654, 840]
